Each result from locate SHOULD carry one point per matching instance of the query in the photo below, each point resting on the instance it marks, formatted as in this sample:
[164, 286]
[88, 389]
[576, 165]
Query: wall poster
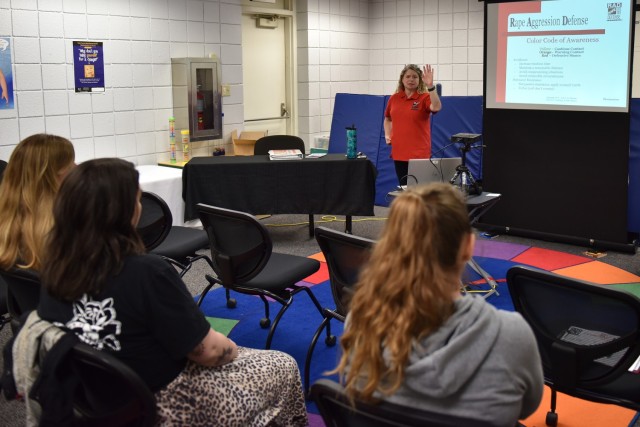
[6, 76]
[88, 66]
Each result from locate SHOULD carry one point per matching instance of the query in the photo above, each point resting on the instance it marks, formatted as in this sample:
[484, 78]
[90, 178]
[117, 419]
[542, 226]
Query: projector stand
[463, 178]
[477, 206]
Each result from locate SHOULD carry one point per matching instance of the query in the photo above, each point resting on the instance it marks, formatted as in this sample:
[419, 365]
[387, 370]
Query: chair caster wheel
[231, 303]
[265, 322]
[330, 340]
[552, 419]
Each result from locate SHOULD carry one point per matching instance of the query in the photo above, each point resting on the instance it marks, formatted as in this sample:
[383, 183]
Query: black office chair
[278, 142]
[107, 392]
[588, 336]
[241, 250]
[345, 255]
[176, 244]
[3, 166]
[337, 410]
[23, 293]
[4, 310]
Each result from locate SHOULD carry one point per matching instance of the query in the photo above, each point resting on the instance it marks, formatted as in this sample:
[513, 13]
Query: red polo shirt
[410, 126]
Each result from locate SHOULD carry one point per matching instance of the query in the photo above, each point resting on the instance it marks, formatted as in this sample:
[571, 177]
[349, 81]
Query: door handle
[284, 113]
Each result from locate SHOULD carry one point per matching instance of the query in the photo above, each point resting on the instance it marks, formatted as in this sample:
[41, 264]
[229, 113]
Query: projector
[467, 138]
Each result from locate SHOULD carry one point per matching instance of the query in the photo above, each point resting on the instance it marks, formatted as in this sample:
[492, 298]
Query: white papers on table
[285, 154]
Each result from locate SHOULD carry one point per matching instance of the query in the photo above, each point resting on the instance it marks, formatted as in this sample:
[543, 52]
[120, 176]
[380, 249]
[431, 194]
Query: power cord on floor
[324, 219]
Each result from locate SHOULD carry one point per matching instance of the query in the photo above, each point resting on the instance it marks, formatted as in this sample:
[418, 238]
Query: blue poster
[6, 76]
[88, 66]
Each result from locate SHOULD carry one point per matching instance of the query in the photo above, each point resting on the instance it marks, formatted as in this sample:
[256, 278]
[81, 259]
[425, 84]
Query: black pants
[402, 170]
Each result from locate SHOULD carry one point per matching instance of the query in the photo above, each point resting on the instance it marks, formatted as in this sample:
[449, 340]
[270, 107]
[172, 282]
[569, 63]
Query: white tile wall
[129, 119]
[356, 46]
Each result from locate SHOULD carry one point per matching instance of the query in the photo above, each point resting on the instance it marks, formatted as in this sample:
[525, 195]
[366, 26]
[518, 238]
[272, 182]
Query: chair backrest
[110, 393]
[3, 166]
[3, 299]
[23, 290]
[240, 245]
[588, 335]
[278, 142]
[155, 220]
[337, 411]
[345, 254]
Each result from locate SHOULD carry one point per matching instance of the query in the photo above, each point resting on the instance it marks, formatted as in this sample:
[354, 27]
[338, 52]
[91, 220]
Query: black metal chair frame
[338, 285]
[572, 368]
[224, 267]
[166, 224]
[94, 399]
[338, 410]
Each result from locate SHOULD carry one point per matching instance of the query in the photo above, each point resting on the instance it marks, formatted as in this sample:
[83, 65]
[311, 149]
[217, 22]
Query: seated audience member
[29, 185]
[102, 286]
[413, 339]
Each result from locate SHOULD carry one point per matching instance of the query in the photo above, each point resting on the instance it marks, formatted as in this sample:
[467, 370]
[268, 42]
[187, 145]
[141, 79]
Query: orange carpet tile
[574, 412]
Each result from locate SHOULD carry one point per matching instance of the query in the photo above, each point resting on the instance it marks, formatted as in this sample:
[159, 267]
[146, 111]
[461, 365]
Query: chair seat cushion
[282, 271]
[182, 242]
[622, 391]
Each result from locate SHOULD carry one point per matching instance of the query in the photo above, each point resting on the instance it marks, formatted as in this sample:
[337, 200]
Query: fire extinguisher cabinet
[197, 102]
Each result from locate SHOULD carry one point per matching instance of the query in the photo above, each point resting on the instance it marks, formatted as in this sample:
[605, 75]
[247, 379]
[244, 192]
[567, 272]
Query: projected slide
[562, 54]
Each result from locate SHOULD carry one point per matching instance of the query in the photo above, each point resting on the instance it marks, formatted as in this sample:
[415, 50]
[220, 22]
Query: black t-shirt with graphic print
[145, 316]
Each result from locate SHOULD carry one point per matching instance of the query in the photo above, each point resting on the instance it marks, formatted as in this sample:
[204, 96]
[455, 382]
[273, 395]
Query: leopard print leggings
[259, 388]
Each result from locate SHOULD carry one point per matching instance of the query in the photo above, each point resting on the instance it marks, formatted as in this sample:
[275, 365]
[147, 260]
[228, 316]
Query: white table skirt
[166, 182]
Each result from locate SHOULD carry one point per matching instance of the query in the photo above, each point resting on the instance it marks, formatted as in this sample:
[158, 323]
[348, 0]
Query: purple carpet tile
[498, 250]
[315, 420]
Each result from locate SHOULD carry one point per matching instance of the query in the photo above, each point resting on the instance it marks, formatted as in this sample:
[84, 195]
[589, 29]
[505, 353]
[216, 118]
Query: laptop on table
[425, 171]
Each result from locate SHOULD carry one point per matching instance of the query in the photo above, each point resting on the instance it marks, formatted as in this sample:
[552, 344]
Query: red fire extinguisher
[200, 109]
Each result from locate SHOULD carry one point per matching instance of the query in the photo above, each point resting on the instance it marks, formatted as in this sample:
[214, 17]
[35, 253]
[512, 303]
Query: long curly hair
[94, 228]
[29, 186]
[406, 292]
[422, 86]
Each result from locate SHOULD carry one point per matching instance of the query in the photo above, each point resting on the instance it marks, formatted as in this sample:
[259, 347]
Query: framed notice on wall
[88, 66]
[6, 77]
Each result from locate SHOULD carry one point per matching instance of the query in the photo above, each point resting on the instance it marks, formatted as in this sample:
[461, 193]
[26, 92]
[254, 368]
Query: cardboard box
[243, 146]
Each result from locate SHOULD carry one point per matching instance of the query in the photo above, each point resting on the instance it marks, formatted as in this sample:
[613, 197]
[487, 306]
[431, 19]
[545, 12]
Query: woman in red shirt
[407, 117]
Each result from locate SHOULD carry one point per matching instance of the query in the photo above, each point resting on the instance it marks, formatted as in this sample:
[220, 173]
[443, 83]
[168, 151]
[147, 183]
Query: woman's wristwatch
[431, 89]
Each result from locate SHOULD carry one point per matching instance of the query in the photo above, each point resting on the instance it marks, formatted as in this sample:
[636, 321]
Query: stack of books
[285, 154]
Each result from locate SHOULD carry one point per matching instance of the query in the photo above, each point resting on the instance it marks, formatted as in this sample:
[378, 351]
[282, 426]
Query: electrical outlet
[226, 90]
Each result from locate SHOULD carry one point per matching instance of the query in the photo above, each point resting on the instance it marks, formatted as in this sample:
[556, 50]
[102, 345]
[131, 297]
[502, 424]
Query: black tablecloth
[328, 185]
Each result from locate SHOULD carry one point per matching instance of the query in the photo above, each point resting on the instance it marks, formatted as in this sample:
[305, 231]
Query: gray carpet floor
[290, 235]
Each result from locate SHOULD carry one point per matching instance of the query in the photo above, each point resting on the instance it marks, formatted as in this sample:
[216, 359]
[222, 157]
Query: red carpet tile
[598, 272]
[319, 276]
[548, 260]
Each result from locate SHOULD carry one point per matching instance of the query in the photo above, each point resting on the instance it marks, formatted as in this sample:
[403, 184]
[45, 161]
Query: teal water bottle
[352, 143]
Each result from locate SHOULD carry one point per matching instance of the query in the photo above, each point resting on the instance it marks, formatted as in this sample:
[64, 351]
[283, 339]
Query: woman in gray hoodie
[413, 339]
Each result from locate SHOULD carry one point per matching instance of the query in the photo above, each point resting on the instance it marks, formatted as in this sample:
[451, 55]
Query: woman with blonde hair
[407, 117]
[413, 339]
[29, 186]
